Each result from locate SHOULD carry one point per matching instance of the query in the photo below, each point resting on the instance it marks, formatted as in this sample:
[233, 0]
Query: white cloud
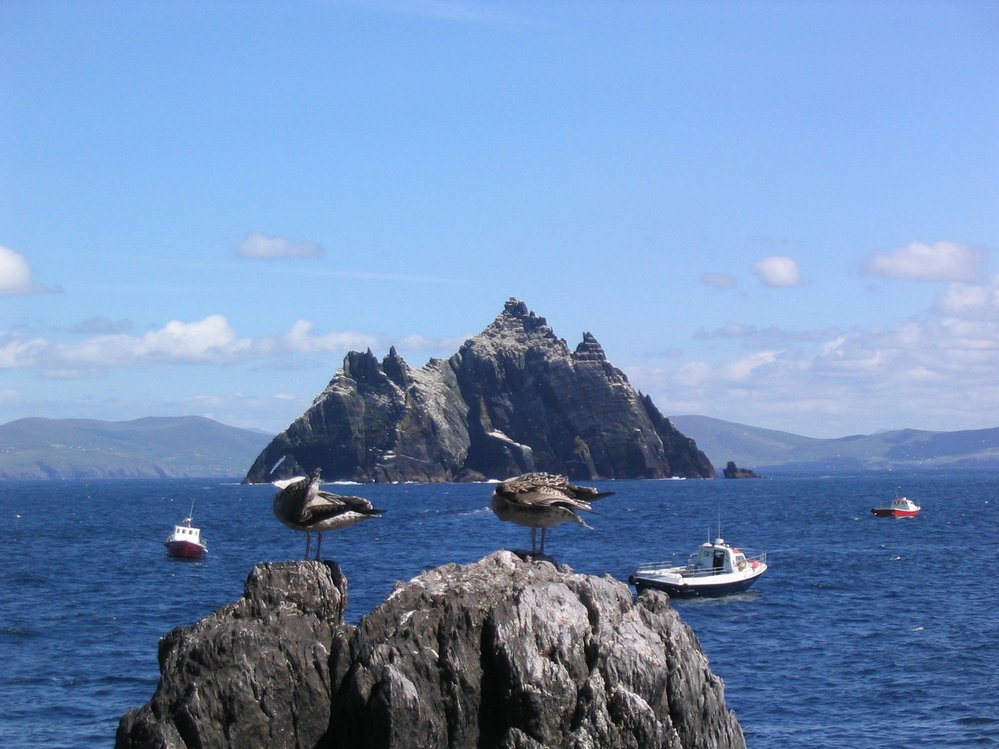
[943, 261]
[17, 352]
[936, 372]
[209, 341]
[969, 301]
[299, 339]
[741, 369]
[417, 342]
[258, 246]
[15, 275]
[778, 271]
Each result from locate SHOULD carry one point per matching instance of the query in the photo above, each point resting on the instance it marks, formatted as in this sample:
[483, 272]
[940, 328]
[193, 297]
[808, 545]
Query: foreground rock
[513, 399]
[500, 653]
[252, 674]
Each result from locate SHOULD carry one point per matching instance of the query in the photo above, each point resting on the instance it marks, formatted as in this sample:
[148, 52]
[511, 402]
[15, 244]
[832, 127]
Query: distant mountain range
[191, 446]
[771, 451]
[155, 447]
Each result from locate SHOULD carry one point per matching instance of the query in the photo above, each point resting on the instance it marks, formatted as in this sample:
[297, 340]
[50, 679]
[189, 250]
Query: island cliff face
[501, 653]
[513, 399]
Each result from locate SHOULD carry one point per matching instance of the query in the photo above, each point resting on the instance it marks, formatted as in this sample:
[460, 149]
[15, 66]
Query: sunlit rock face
[499, 653]
[513, 399]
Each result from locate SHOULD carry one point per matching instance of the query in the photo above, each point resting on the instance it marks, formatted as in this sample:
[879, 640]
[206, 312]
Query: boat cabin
[186, 533]
[716, 558]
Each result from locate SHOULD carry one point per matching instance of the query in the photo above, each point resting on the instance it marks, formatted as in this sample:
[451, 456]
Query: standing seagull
[303, 506]
[542, 500]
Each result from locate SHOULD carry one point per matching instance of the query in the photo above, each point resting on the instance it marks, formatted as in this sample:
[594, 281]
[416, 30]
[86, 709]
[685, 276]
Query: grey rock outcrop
[513, 399]
[254, 673]
[500, 653]
[732, 471]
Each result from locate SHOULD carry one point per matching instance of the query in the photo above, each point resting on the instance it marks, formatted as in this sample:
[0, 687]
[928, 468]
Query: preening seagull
[303, 506]
[542, 500]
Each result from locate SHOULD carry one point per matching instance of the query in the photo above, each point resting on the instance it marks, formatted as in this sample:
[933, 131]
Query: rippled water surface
[864, 632]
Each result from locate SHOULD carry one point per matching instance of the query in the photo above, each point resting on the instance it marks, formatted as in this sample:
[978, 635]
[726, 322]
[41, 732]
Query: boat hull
[900, 507]
[694, 587]
[185, 550]
[693, 590]
[888, 512]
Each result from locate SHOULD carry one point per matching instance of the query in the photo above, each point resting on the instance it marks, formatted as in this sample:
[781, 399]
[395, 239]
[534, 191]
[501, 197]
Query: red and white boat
[900, 507]
[185, 542]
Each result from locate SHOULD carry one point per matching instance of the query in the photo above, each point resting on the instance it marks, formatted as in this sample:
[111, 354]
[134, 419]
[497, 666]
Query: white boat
[900, 507]
[714, 569]
[185, 541]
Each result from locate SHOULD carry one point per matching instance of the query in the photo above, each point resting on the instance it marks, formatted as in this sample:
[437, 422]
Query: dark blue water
[864, 633]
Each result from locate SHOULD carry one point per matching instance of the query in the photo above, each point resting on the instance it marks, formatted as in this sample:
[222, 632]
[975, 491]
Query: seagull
[303, 506]
[542, 500]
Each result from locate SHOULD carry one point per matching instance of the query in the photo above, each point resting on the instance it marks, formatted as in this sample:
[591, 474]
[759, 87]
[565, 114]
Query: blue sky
[784, 214]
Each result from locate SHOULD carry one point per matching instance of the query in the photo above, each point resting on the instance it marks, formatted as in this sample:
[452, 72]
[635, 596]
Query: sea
[864, 632]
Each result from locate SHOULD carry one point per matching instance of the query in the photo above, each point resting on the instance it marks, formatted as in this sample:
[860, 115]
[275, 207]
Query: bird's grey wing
[588, 493]
[339, 500]
[562, 485]
[285, 483]
[327, 504]
[289, 503]
[359, 504]
[541, 497]
[321, 506]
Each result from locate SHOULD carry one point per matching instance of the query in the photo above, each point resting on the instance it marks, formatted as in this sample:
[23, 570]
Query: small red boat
[900, 507]
[185, 542]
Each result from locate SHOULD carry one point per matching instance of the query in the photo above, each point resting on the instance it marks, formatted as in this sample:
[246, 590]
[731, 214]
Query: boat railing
[692, 570]
[754, 556]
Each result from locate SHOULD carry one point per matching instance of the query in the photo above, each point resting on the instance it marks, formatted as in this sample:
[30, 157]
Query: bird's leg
[543, 532]
[534, 532]
[308, 543]
[319, 544]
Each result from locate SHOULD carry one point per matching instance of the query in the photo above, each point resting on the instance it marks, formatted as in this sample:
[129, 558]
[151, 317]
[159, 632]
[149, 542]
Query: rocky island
[732, 471]
[500, 653]
[513, 399]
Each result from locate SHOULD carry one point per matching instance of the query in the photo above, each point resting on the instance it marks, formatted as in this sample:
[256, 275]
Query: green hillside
[165, 447]
[768, 450]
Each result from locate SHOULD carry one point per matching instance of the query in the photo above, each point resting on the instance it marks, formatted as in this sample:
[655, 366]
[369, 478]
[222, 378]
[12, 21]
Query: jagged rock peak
[589, 349]
[361, 367]
[396, 368]
[516, 309]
